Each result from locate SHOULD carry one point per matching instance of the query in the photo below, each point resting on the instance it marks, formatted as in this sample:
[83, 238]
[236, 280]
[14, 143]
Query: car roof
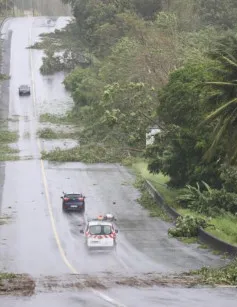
[24, 85]
[102, 223]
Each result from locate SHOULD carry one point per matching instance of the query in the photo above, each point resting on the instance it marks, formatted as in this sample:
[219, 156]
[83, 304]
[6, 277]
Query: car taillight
[81, 199]
[66, 199]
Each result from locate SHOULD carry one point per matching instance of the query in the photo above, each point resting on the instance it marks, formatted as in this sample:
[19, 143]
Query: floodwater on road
[41, 240]
[154, 297]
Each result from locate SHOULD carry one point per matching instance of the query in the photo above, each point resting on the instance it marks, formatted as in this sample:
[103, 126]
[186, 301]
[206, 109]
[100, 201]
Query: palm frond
[209, 189]
[220, 83]
[230, 56]
[233, 116]
[230, 61]
[222, 127]
[234, 157]
[219, 111]
[210, 152]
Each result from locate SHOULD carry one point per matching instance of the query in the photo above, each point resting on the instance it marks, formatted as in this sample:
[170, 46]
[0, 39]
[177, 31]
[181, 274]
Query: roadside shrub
[226, 275]
[51, 64]
[187, 226]
[211, 202]
[221, 201]
[148, 202]
[229, 178]
[194, 198]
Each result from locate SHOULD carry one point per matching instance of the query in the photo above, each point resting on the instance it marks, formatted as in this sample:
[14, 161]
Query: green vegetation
[224, 276]
[92, 153]
[159, 181]
[56, 119]
[7, 276]
[48, 133]
[8, 153]
[8, 136]
[5, 8]
[187, 226]
[148, 202]
[190, 240]
[4, 77]
[174, 51]
[4, 220]
[211, 202]
[225, 226]
[167, 64]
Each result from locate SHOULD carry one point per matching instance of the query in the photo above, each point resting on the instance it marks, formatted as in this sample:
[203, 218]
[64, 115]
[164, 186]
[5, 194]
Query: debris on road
[74, 281]
[16, 284]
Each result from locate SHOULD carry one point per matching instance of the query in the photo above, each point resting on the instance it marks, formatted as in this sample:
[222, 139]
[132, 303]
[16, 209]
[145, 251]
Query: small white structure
[150, 136]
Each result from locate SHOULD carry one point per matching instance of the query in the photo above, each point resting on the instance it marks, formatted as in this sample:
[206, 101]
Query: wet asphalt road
[40, 240]
[155, 297]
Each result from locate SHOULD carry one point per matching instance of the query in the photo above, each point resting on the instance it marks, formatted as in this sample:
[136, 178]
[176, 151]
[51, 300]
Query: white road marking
[56, 236]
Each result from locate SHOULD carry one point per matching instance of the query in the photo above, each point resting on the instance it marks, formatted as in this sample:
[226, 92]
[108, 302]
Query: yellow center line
[50, 208]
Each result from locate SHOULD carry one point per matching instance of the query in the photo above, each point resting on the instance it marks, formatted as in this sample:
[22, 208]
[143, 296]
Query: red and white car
[100, 234]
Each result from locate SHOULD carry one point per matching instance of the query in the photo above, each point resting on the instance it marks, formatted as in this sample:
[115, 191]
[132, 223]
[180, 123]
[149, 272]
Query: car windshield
[73, 195]
[100, 229]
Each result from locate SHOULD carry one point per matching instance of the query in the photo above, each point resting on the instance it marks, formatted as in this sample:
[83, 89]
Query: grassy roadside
[147, 202]
[225, 225]
[7, 153]
[158, 181]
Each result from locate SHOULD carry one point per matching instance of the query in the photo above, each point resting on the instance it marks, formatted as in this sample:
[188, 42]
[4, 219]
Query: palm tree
[225, 115]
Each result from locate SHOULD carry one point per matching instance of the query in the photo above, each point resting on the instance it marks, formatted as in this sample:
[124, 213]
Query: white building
[150, 136]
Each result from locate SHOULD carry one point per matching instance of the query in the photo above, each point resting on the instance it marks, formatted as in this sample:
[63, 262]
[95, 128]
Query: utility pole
[13, 8]
[32, 3]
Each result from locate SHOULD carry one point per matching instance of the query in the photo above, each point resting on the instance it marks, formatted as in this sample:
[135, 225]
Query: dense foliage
[171, 64]
[210, 202]
[226, 275]
[187, 226]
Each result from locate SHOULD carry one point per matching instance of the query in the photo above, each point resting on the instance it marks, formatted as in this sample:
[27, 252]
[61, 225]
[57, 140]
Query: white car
[100, 234]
